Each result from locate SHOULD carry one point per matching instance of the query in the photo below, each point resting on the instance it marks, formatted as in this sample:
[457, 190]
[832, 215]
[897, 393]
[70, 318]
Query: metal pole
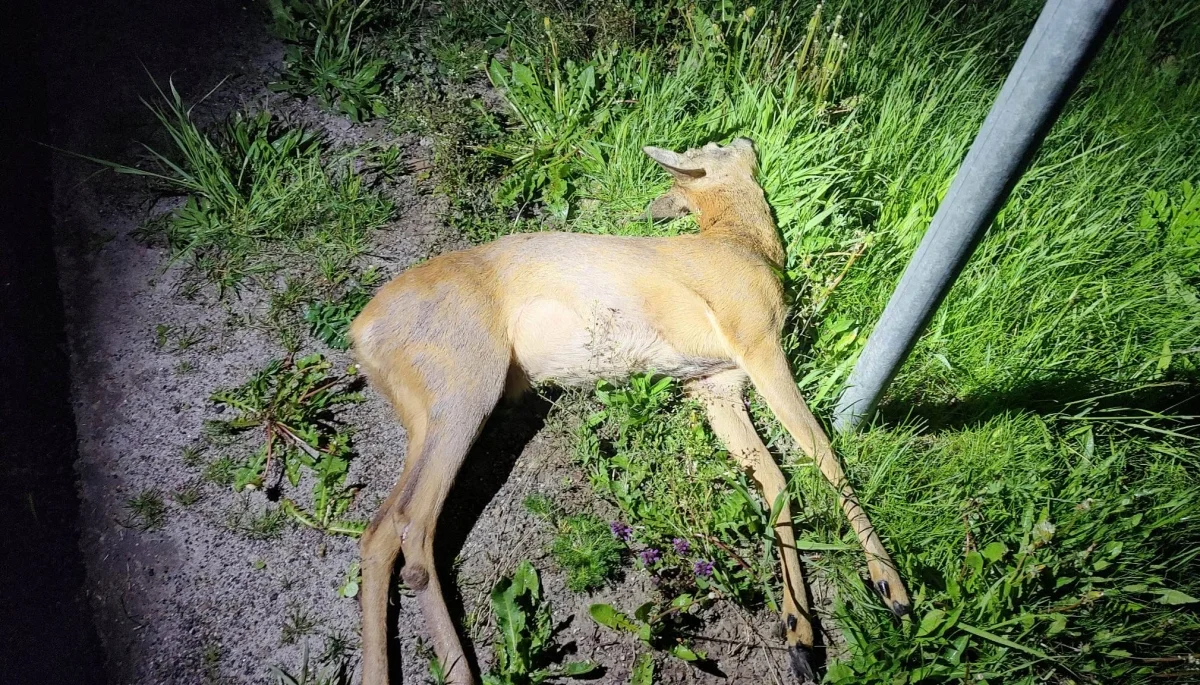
[1068, 33]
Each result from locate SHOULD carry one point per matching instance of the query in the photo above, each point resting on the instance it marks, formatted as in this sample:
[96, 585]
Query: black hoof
[899, 609]
[801, 660]
[884, 589]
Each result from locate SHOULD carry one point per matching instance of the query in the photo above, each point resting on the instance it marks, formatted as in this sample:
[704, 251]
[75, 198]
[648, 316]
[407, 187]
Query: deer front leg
[721, 396]
[771, 375]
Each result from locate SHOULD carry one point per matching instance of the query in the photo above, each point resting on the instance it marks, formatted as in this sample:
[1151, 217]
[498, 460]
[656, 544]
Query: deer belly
[553, 342]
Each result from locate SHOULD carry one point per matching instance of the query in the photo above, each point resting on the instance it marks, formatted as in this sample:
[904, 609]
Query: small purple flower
[681, 546]
[703, 568]
[649, 556]
[621, 531]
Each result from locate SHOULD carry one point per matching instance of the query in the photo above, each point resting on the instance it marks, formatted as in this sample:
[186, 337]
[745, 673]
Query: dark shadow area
[1173, 396]
[486, 469]
[46, 630]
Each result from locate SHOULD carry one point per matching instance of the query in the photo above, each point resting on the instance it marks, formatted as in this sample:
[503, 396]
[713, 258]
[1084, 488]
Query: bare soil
[195, 602]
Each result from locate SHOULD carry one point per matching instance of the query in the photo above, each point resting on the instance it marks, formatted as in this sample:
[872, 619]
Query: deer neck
[742, 215]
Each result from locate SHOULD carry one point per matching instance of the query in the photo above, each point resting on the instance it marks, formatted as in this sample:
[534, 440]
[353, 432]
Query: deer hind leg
[379, 547]
[771, 375]
[721, 396]
[443, 421]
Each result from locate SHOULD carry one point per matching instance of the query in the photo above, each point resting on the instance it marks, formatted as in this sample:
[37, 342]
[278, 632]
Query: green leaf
[642, 613]
[643, 670]
[777, 508]
[606, 615]
[683, 652]
[525, 581]
[524, 76]
[1001, 640]
[511, 627]
[930, 622]
[954, 656]
[975, 562]
[576, 668]
[995, 551]
[1175, 597]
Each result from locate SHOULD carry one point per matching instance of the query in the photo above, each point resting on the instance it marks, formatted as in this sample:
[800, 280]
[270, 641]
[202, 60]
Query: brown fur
[446, 339]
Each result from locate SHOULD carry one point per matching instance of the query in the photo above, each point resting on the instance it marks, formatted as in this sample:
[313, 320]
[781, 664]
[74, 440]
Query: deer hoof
[801, 660]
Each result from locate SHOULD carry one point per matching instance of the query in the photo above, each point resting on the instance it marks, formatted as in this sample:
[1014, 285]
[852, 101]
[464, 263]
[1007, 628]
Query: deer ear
[669, 205]
[682, 168]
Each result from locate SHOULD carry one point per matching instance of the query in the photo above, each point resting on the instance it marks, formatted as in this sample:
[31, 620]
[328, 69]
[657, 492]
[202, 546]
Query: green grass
[336, 671]
[177, 338]
[192, 455]
[1067, 535]
[210, 661]
[298, 623]
[1045, 535]
[260, 196]
[220, 471]
[145, 511]
[253, 523]
[188, 495]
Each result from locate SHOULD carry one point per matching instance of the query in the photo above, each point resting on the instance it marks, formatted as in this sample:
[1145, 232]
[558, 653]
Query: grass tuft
[146, 511]
[299, 623]
[267, 523]
[258, 196]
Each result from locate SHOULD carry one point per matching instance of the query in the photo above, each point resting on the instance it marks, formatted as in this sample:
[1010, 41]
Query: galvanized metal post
[1068, 33]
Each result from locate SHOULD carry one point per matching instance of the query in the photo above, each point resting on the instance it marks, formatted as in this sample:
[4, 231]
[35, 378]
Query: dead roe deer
[446, 339]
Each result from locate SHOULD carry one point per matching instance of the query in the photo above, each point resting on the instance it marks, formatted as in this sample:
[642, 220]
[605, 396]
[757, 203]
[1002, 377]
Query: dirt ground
[194, 602]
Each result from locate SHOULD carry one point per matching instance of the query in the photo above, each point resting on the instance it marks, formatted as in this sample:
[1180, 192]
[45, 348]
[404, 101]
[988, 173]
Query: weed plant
[525, 644]
[325, 58]
[695, 522]
[292, 402]
[298, 623]
[657, 626]
[329, 320]
[583, 545]
[339, 672]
